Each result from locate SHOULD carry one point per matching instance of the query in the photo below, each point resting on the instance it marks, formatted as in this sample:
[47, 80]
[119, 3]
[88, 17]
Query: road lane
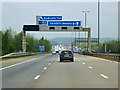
[48, 72]
[77, 75]
[102, 66]
[11, 61]
[19, 75]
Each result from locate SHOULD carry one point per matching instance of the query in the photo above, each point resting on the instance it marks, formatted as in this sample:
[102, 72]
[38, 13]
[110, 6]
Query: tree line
[13, 43]
[112, 46]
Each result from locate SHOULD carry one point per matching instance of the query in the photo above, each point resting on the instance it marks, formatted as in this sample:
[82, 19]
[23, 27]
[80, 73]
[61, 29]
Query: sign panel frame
[41, 48]
[53, 47]
[50, 17]
[64, 23]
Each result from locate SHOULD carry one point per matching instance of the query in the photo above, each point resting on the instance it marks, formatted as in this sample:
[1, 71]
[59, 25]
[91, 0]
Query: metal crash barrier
[104, 55]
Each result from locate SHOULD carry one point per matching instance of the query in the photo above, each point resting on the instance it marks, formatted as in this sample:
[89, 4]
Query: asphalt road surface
[47, 72]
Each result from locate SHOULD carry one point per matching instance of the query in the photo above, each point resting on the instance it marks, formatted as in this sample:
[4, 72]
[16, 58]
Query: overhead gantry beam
[37, 28]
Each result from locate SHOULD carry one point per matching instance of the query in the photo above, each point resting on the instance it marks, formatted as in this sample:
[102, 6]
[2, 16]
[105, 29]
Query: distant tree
[47, 46]
[18, 42]
[36, 45]
[113, 46]
[13, 43]
[7, 42]
[29, 43]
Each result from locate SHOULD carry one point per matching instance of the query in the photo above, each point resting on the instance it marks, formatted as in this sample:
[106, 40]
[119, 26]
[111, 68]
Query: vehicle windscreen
[66, 52]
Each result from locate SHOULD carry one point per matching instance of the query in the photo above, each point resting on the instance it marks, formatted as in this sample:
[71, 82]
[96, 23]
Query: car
[53, 52]
[66, 55]
[57, 51]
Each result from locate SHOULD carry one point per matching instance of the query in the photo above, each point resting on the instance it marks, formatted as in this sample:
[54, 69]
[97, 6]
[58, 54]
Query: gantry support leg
[24, 41]
[89, 38]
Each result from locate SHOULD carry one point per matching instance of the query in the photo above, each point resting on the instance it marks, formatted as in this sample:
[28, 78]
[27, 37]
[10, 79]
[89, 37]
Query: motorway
[47, 72]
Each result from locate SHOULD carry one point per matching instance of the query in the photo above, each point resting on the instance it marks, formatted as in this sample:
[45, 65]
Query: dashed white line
[79, 60]
[45, 67]
[104, 76]
[37, 77]
[83, 63]
[49, 64]
[90, 67]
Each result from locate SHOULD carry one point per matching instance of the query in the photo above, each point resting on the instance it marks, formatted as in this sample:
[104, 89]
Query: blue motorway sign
[41, 48]
[44, 22]
[64, 23]
[53, 47]
[50, 17]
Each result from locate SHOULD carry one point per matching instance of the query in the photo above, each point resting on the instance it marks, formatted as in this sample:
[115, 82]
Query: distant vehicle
[76, 51]
[95, 51]
[53, 52]
[66, 55]
[57, 51]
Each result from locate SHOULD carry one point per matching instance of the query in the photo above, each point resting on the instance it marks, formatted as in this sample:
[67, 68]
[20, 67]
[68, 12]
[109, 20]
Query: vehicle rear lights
[60, 54]
[71, 54]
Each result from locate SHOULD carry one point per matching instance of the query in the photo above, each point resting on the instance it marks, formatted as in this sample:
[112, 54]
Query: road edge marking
[19, 63]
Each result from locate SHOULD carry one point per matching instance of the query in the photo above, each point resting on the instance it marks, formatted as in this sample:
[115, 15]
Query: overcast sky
[16, 14]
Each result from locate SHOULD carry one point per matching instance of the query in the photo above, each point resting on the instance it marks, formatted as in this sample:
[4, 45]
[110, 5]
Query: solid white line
[37, 77]
[17, 64]
[111, 61]
[104, 76]
[83, 63]
[90, 67]
[115, 62]
[45, 67]
[79, 60]
[105, 60]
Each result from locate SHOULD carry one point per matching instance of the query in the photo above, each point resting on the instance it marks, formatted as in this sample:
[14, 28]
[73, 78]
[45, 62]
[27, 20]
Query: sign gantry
[54, 23]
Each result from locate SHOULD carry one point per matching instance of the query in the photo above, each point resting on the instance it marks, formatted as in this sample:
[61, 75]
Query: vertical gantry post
[89, 39]
[72, 47]
[24, 41]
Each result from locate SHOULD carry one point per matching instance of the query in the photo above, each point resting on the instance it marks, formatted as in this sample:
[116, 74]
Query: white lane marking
[79, 60]
[45, 67]
[19, 63]
[49, 64]
[37, 77]
[90, 67]
[115, 62]
[83, 63]
[104, 76]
